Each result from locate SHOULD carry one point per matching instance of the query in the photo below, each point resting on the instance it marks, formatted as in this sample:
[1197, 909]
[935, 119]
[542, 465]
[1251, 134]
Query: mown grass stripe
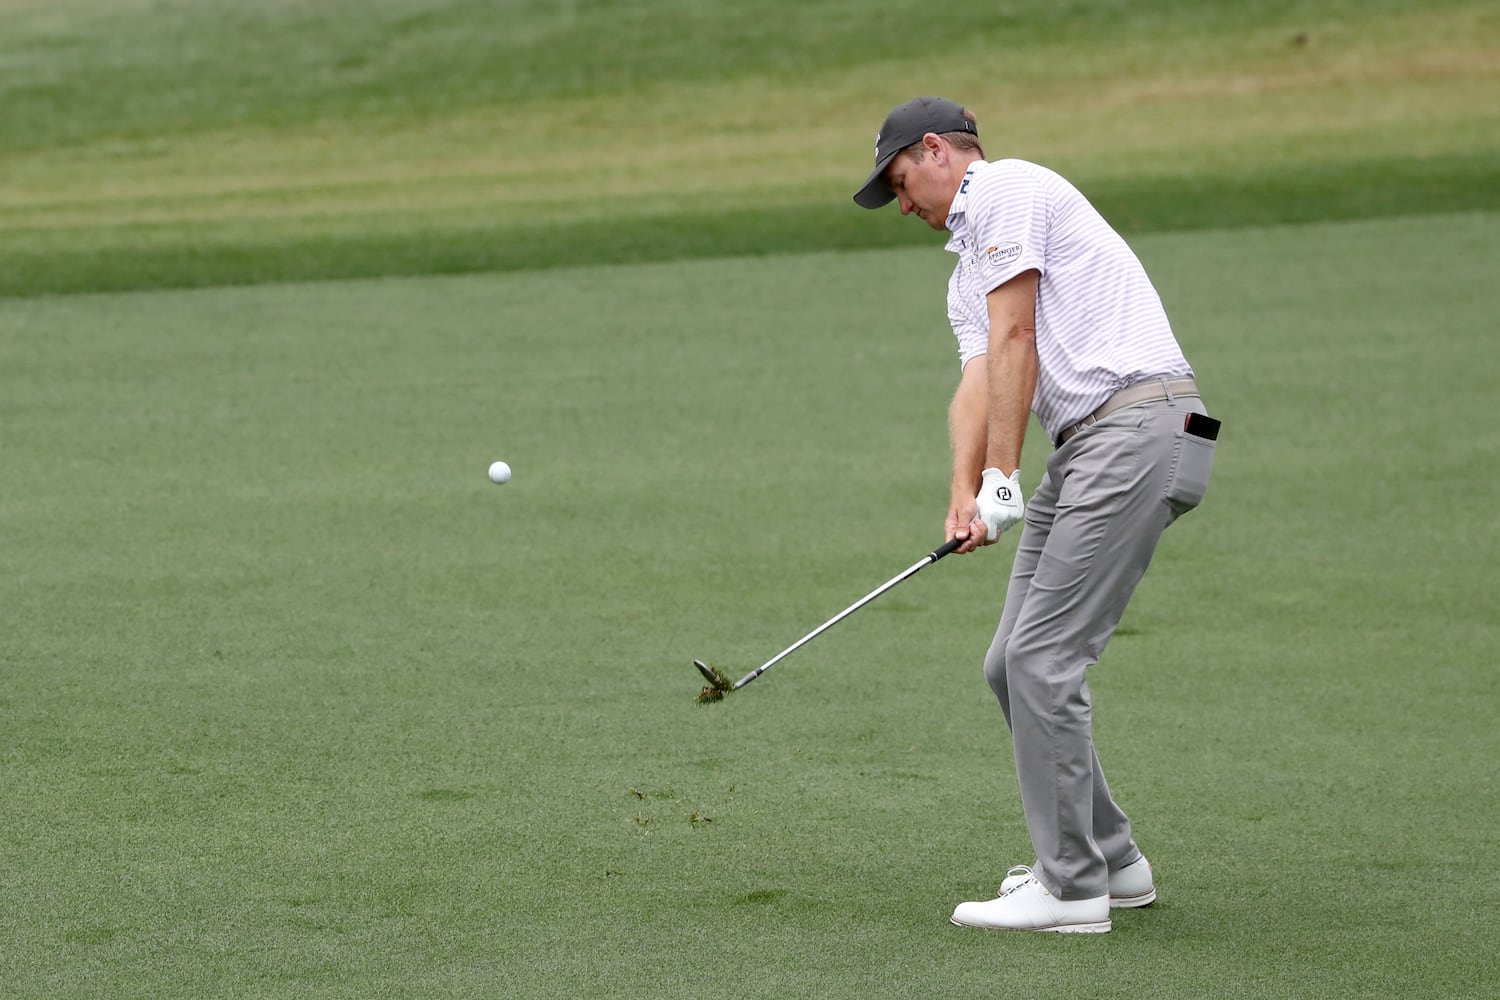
[148, 257]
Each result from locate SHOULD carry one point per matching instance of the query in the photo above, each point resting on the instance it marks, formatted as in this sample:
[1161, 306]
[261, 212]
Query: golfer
[1055, 316]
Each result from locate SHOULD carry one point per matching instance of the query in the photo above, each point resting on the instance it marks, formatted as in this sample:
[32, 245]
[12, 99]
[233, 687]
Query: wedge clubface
[719, 685]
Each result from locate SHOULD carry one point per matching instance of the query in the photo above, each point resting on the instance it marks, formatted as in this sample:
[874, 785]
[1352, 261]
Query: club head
[718, 685]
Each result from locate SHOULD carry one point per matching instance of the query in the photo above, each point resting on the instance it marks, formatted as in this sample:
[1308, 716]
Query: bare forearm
[1011, 375]
[1011, 369]
[968, 424]
[968, 428]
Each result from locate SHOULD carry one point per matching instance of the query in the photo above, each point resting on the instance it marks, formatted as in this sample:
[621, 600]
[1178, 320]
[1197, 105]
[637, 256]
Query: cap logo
[877, 145]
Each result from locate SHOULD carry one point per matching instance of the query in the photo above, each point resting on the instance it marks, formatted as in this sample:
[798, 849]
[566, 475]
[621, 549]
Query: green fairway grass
[298, 704]
[210, 142]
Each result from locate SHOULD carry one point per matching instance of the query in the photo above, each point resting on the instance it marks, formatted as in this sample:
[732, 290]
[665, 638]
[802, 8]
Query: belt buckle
[1072, 430]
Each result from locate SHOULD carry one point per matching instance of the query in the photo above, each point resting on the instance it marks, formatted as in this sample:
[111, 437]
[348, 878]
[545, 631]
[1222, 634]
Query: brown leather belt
[1147, 391]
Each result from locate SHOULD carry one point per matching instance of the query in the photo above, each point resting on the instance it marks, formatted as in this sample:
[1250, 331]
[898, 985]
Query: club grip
[949, 546]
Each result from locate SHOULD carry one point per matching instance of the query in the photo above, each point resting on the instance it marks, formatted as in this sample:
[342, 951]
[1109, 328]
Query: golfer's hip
[1155, 389]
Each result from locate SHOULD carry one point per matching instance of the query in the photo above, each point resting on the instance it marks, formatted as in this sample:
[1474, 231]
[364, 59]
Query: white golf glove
[999, 501]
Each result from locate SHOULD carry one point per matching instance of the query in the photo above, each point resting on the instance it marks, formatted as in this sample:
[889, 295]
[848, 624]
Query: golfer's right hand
[961, 515]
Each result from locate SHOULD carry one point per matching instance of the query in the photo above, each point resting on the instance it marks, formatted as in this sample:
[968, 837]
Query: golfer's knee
[994, 670]
[1026, 661]
[1042, 677]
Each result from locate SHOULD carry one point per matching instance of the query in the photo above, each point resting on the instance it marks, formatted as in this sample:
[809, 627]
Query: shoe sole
[1139, 899]
[1092, 927]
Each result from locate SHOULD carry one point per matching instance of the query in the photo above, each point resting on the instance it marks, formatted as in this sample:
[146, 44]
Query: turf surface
[209, 142]
[298, 704]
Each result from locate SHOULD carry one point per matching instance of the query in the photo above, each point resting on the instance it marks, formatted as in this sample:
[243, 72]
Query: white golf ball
[499, 472]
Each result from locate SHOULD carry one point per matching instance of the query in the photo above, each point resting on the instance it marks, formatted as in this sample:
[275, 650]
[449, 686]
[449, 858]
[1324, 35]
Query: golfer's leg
[1110, 516]
[1112, 831]
[1040, 511]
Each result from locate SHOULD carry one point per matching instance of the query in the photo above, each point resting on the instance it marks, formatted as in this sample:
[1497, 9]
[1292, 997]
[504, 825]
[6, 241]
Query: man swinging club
[1054, 315]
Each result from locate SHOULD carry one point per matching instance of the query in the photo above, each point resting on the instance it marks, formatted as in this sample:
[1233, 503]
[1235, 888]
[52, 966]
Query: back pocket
[1193, 463]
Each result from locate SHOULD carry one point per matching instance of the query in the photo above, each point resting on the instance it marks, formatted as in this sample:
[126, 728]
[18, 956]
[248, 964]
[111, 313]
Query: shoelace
[1017, 870]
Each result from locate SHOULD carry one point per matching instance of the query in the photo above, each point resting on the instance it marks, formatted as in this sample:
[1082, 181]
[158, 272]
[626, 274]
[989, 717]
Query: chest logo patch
[1003, 254]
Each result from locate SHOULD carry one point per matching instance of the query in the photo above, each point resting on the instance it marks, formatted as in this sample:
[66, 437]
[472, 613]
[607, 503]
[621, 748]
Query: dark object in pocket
[1202, 425]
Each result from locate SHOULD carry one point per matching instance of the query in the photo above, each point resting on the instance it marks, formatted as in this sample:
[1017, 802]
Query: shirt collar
[958, 231]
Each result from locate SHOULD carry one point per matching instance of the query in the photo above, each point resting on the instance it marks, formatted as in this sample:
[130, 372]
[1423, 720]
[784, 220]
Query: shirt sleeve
[1008, 219]
[971, 328]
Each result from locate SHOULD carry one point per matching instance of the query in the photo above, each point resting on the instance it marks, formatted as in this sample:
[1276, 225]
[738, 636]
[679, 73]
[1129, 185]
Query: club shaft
[926, 560]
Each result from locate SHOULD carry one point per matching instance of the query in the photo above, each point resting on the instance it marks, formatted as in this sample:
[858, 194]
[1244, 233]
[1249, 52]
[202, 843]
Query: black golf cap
[904, 126]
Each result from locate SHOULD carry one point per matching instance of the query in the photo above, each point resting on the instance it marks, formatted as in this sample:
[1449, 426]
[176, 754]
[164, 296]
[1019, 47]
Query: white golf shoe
[1132, 885]
[1028, 906]
[1128, 886]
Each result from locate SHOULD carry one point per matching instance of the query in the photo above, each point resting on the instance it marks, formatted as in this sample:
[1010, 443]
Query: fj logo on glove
[1002, 493]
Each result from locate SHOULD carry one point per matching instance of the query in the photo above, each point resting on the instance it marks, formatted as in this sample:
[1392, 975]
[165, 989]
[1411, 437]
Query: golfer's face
[922, 187]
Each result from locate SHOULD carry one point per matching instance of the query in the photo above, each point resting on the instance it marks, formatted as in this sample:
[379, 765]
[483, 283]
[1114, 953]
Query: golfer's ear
[935, 146]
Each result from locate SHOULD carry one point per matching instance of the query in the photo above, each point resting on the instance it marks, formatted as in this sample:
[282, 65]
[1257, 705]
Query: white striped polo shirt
[1100, 325]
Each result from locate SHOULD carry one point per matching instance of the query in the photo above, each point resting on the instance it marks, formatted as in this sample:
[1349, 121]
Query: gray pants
[1091, 529]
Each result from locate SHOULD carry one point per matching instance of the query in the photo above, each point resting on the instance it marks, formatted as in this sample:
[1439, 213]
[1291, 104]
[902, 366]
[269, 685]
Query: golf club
[718, 683]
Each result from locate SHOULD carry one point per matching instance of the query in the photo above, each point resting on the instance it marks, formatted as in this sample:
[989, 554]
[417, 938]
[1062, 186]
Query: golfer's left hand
[999, 502]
